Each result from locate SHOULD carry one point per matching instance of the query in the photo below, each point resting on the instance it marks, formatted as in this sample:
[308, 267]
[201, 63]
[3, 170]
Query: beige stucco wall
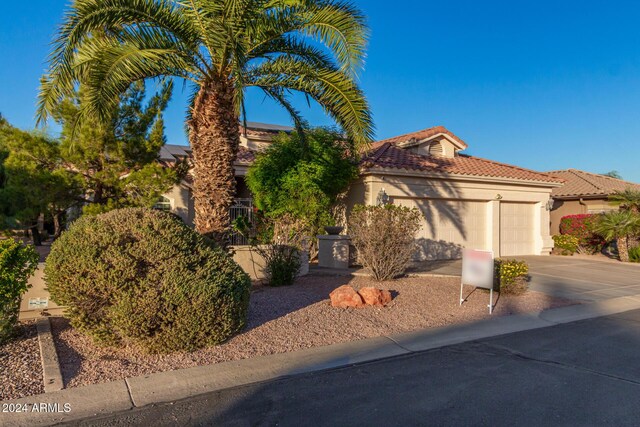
[450, 189]
[39, 298]
[181, 202]
[563, 208]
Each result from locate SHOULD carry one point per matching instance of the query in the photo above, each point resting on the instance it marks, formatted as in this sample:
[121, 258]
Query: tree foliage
[303, 178]
[101, 166]
[34, 180]
[117, 161]
[221, 48]
[613, 174]
[628, 199]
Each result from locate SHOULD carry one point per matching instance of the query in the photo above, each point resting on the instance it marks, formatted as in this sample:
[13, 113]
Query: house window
[163, 204]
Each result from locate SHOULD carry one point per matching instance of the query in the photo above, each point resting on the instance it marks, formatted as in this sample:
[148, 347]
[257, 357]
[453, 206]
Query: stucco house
[582, 193]
[466, 201]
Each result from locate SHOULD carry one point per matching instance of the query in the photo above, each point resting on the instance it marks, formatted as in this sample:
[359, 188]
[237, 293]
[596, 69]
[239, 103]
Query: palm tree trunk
[214, 137]
[623, 248]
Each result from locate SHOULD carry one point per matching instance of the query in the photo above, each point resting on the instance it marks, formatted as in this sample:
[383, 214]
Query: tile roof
[385, 155]
[585, 184]
[424, 134]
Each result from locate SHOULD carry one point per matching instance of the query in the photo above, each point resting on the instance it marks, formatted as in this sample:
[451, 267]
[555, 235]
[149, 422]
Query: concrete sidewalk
[575, 374]
[123, 395]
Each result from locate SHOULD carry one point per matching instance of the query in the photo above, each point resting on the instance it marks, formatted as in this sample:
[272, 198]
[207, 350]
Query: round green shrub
[143, 277]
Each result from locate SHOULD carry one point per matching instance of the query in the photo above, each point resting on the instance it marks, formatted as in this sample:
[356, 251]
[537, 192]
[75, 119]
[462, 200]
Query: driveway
[588, 279]
[582, 278]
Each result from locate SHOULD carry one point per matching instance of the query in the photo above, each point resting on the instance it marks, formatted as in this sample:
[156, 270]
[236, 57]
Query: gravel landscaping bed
[297, 317]
[20, 366]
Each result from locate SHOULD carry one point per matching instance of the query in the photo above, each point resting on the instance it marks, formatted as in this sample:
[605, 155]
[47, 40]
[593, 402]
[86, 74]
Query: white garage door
[516, 229]
[448, 227]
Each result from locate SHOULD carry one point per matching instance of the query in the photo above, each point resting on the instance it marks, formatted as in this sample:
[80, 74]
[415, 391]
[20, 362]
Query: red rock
[373, 296]
[386, 297]
[345, 296]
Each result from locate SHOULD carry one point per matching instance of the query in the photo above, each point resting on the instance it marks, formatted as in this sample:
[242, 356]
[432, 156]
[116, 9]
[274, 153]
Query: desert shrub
[583, 227]
[141, 276]
[384, 237]
[282, 254]
[566, 244]
[634, 254]
[17, 263]
[511, 276]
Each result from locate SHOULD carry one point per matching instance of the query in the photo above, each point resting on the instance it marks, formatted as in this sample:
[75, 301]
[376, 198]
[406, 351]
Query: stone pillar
[333, 251]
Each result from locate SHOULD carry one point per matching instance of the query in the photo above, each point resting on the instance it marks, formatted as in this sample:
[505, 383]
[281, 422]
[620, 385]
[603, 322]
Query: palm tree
[618, 226]
[629, 199]
[220, 48]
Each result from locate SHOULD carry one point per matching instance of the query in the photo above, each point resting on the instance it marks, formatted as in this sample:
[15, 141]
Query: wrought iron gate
[241, 208]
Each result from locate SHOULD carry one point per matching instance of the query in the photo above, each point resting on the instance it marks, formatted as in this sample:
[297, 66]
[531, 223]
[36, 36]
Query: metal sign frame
[467, 256]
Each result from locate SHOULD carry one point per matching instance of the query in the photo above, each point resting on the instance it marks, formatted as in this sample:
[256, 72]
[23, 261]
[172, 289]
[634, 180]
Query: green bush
[141, 276]
[634, 254]
[511, 276]
[384, 237]
[17, 264]
[566, 244]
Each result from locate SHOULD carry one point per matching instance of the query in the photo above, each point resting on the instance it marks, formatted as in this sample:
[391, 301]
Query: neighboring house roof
[173, 152]
[425, 134]
[266, 127]
[585, 184]
[385, 155]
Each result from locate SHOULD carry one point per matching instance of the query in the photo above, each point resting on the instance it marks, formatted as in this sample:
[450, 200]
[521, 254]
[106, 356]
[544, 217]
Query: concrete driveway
[582, 278]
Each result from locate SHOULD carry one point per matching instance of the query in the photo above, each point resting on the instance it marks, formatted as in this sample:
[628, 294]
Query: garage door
[449, 226]
[516, 229]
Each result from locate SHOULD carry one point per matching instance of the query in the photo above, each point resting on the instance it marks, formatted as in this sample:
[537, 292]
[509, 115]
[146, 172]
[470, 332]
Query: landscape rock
[345, 296]
[373, 296]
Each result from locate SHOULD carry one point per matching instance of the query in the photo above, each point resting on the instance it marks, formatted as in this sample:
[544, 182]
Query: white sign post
[477, 270]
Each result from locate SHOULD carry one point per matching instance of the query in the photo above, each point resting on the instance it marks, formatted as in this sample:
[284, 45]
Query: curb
[123, 395]
[49, 357]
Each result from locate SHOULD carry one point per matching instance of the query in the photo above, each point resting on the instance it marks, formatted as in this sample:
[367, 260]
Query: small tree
[384, 237]
[17, 264]
[303, 175]
[36, 181]
[116, 159]
[618, 226]
[628, 199]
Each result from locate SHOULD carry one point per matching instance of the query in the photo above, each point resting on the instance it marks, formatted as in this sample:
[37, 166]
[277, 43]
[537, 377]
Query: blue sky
[544, 85]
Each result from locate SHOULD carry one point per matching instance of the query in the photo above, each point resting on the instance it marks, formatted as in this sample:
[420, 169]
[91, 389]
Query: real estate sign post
[477, 270]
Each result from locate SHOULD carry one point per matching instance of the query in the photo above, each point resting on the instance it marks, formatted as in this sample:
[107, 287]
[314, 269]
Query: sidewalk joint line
[126, 382]
[398, 344]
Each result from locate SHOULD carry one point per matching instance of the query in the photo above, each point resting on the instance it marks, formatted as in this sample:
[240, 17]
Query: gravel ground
[298, 317]
[20, 367]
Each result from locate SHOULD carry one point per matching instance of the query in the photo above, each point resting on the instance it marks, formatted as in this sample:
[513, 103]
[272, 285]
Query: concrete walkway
[125, 395]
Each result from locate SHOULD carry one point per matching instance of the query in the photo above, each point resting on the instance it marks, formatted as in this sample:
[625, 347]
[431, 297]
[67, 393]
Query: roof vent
[436, 149]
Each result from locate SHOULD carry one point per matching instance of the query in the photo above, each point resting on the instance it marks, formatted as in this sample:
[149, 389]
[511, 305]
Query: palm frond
[334, 90]
[86, 18]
